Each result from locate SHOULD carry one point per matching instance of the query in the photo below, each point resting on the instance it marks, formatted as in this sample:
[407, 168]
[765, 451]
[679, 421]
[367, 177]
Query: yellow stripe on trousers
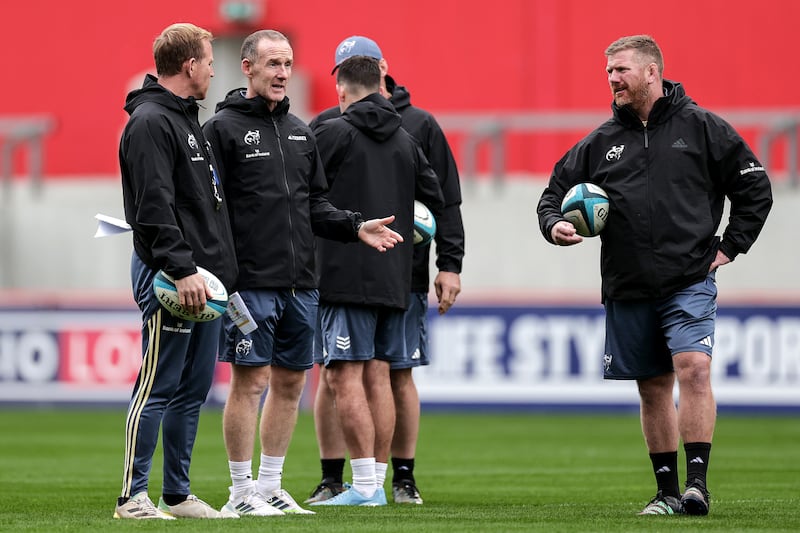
[146, 379]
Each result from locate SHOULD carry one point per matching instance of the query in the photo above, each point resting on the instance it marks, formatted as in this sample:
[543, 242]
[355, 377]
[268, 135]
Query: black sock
[174, 499]
[332, 470]
[697, 454]
[665, 468]
[402, 469]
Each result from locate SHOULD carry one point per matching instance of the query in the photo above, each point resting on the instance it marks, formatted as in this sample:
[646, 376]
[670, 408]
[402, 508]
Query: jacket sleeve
[561, 179]
[746, 185]
[150, 158]
[326, 220]
[427, 189]
[449, 225]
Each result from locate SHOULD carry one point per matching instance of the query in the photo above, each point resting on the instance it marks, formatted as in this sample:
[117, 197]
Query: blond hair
[644, 46]
[176, 44]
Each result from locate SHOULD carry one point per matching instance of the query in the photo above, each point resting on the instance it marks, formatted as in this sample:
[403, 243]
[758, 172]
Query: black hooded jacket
[449, 225]
[275, 186]
[172, 200]
[376, 167]
[667, 183]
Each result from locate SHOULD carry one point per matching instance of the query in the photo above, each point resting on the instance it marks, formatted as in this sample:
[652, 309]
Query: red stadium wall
[75, 60]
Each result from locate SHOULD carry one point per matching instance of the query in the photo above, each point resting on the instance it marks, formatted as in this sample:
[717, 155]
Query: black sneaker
[405, 491]
[661, 504]
[325, 491]
[695, 498]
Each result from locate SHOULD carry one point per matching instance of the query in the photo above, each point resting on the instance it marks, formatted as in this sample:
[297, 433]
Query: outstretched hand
[376, 233]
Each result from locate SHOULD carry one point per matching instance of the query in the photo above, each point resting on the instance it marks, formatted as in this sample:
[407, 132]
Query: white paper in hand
[240, 315]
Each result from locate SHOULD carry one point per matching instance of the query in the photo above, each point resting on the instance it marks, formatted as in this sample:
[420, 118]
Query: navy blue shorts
[643, 335]
[285, 336]
[359, 333]
[416, 318]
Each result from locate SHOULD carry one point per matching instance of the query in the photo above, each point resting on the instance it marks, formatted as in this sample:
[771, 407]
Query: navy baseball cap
[356, 45]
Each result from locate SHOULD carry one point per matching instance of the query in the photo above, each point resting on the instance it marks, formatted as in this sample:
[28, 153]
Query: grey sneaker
[695, 498]
[406, 492]
[325, 491]
[140, 507]
[661, 504]
[192, 507]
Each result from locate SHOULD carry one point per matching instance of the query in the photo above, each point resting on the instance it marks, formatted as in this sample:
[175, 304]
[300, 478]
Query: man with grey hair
[273, 178]
[668, 167]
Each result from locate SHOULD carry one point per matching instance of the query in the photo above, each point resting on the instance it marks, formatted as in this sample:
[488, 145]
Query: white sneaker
[192, 507]
[139, 507]
[282, 500]
[253, 504]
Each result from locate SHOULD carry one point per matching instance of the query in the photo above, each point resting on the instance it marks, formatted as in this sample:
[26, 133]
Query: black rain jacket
[275, 186]
[667, 183]
[449, 225]
[374, 166]
[169, 190]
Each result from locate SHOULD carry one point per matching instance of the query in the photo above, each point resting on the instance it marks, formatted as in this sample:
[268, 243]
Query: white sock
[380, 473]
[242, 478]
[269, 474]
[364, 475]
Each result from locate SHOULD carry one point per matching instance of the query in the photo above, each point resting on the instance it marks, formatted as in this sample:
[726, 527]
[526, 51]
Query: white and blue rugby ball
[167, 294]
[586, 206]
[424, 224]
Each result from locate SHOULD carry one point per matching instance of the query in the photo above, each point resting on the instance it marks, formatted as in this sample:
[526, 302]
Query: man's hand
[447, 285]
[193, 292]
[563, 234]
[720, 260]
[375, 233]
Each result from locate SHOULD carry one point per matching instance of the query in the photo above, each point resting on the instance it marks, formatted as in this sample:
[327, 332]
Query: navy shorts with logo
[285, 336]
[359, 333]
[643, 335]
[416, 324]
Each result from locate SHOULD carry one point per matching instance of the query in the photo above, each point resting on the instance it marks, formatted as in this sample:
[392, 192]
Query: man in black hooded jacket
[274, 181]
[667, 166]
[174, 204]
[371, 164]
[449, 241]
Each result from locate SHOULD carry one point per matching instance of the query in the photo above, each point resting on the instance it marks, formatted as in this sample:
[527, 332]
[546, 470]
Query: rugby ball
[586, 206]
[167, 294]
[424, 224]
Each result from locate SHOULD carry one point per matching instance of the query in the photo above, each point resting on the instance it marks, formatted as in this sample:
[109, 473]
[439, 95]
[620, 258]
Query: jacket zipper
[288, 201]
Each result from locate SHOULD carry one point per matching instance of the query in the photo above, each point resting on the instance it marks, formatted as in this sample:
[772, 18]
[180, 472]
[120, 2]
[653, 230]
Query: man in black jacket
[173, 202]
[667, 166]
[447, 284]
[371, 164]
[274, 182]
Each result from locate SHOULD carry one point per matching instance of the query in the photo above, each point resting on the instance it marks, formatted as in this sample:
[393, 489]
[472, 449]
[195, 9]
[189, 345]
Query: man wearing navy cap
[450, 252]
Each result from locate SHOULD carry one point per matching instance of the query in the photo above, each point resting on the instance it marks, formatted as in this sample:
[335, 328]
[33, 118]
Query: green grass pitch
[60, 471]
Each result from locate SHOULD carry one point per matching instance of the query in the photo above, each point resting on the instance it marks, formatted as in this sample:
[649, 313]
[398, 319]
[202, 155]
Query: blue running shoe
[352, 497]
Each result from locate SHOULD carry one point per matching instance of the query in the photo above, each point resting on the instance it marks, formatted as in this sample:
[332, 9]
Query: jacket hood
[374, 116]
[673, 100]
[236, 99]
[152, 91]
[400, 98]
